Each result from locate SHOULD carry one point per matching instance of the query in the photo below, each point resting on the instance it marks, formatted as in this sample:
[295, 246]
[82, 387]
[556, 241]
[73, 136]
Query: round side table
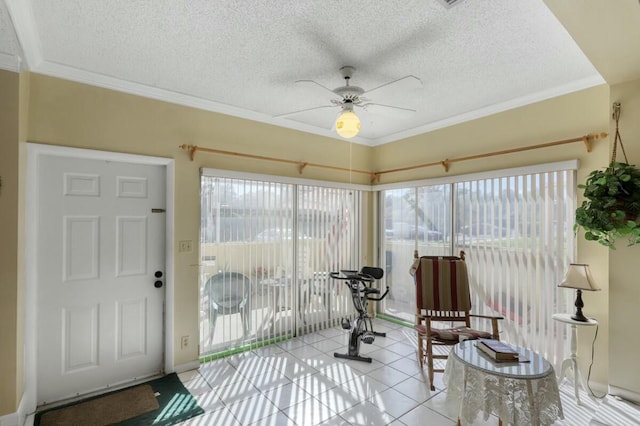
[518, 393]
[572, 361]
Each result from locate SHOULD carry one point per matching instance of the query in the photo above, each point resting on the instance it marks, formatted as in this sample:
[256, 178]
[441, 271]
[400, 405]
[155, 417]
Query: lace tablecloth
[519, 393]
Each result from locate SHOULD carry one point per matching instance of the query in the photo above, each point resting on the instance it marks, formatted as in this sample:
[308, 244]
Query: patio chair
[442, 294]
[227, 294]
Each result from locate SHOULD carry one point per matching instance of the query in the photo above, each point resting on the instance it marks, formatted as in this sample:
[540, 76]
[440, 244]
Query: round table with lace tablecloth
[519, 393]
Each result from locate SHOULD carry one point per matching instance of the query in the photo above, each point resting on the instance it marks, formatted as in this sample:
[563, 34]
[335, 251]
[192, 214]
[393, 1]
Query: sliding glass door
[517, 233]
[266, 252]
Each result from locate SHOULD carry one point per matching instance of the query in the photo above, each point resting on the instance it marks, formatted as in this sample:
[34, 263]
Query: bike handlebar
[346, 274]
[350, 275]
[377, 299]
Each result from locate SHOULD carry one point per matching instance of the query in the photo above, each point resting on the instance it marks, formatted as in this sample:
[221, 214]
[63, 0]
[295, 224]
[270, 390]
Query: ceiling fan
[350, 97]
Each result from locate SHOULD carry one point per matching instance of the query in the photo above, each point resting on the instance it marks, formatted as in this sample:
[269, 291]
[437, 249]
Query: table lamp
[578, 276]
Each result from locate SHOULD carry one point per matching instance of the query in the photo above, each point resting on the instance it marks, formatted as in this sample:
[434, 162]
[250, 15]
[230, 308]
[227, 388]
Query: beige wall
[10, 306]
[569, 116]
[77, 115]
[67, 113]
[624, 348]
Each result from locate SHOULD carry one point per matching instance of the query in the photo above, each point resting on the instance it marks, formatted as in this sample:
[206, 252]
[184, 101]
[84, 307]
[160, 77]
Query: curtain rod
[587, 140]
[301, 164]
[375, 176]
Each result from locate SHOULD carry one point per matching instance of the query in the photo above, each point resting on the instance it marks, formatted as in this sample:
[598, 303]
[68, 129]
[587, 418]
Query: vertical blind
[280, 240]
[267, 249]
[517, 233]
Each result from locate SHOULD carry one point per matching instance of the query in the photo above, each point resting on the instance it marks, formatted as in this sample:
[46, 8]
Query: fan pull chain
[616, 117]
[350, 163]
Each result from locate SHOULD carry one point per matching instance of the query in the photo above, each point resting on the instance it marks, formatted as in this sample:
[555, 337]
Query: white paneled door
[100, 274]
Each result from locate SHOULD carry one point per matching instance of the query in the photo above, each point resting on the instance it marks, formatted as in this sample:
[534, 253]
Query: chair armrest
[495, 333]
[486, 316]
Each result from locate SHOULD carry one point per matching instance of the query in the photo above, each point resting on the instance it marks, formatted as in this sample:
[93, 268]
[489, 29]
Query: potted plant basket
[611, 208]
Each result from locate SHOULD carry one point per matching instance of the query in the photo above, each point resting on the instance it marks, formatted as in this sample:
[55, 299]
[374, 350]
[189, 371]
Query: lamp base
[578, 316]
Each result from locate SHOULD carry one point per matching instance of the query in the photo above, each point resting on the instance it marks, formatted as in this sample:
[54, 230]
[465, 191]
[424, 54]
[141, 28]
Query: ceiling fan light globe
[348, 124]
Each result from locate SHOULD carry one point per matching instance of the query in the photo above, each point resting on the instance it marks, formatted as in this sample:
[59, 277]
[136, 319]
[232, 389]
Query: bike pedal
[346, 324]
[368, 337]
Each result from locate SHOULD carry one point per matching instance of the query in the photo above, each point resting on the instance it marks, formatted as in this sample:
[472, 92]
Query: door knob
[157, 284]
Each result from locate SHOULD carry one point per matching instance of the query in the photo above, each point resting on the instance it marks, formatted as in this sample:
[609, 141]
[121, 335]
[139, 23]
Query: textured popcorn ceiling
[243, 57]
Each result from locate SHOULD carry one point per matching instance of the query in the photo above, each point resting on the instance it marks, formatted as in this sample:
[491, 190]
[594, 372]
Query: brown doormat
[113, 408]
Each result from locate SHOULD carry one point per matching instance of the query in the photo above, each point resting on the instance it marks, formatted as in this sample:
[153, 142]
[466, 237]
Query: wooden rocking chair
[442, 294]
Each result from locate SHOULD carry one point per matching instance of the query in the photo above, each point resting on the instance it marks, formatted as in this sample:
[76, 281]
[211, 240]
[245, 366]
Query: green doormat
[163, 401]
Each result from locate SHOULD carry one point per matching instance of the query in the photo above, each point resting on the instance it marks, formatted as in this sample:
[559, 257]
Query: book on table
[497, 350]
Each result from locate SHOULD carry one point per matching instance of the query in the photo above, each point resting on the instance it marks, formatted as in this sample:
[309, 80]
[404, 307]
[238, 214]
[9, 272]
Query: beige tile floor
[299, 382]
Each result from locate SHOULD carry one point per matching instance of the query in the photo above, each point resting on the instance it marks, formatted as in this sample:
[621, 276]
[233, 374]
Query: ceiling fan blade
[406, 83]
[288, 114]
[314, 84]
[381, 109]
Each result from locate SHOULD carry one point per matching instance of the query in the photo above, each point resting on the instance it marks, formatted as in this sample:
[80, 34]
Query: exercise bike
[361, 328]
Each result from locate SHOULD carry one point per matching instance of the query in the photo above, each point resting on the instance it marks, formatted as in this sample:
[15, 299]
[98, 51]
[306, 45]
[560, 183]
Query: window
[266, 252]
[517, 232]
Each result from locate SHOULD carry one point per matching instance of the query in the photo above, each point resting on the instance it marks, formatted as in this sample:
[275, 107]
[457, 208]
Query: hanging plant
[611, 208]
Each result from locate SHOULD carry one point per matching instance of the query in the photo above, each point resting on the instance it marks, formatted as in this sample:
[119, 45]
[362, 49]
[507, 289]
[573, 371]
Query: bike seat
[376, 273]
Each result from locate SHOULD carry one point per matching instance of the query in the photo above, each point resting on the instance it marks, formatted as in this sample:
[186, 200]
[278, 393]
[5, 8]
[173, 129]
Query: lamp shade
[579, 277]
[347, 124]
